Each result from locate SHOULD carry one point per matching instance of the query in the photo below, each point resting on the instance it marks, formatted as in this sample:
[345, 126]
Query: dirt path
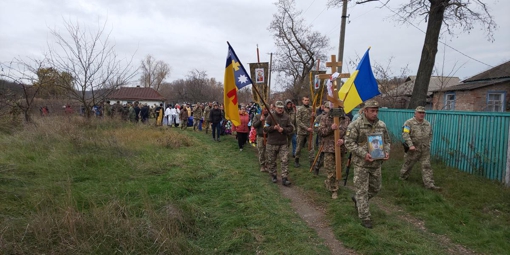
[315, 217]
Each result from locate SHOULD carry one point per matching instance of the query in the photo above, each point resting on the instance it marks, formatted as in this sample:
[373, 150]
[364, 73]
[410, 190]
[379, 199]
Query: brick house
[486, 91]
[126, 95]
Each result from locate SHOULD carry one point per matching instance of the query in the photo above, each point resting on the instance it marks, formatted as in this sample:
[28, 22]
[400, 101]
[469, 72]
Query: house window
[449, 101]
[495, 101]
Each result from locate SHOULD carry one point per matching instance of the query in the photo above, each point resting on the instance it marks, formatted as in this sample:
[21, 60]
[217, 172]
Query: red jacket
[243, 128]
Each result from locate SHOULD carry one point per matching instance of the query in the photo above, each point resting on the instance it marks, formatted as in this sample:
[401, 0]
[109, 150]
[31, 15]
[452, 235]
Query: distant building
[132, 94]
[400, 96]
[486, 91]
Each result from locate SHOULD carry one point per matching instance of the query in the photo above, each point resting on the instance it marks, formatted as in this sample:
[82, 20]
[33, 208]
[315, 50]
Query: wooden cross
[336, 103]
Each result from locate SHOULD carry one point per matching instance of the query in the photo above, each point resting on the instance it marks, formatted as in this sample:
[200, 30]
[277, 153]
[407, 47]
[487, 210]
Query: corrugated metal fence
[474, 142]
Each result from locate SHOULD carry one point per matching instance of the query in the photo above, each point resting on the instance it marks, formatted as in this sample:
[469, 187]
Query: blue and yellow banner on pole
[360, 87]
[235, 79]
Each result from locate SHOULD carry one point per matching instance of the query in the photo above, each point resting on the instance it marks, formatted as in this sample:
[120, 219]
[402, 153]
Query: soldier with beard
[277, 130]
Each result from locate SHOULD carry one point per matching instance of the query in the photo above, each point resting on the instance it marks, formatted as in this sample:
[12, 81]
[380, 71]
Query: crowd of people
[284, 130]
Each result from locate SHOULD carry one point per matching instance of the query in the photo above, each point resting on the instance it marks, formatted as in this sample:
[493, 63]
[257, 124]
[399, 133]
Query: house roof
[436, 83]
[496, 75]
[501, 71]
[136, 93]
[475, 85]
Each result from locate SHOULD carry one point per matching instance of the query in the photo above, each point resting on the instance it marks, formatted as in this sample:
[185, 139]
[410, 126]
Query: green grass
[106, 187]
[109, 188]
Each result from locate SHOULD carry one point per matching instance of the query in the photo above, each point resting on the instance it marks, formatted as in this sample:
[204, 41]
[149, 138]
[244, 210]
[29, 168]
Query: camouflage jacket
[207, 111]
[303, 117]
[197, 112]
[292, 115]
[259, 125]
[356, 140]
[327, 135]
[417, 133]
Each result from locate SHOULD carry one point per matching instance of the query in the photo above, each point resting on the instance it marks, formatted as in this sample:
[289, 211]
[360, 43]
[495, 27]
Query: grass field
[104, 187]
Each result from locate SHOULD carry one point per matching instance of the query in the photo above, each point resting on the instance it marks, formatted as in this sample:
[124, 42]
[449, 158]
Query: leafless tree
[196, 87]
[154, 72]
[92, 62]
[454, 14]
[389, 82]
[298, 48]
[23, 74]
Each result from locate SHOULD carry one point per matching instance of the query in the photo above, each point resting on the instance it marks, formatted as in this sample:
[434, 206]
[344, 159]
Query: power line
[445, 44]
[309, 6]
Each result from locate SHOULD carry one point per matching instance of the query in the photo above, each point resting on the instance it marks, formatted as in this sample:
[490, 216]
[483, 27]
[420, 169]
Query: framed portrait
[316, 82]
[376, 146]
[259, 75]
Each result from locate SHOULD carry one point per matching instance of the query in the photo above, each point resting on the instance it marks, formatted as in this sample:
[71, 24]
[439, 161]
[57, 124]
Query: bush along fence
[474, 142]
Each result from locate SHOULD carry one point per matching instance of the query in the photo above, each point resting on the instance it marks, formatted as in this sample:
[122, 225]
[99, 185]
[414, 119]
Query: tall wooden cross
[336, 103]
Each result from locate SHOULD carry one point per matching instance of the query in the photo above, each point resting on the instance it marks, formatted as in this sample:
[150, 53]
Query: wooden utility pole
[336, 104]
[342, 40]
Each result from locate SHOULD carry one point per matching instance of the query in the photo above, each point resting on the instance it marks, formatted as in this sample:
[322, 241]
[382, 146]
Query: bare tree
[92, 62]
[454, 14]
[197, 87]
[23, 74]
[298, 48]
[389, 83]
[154, 72]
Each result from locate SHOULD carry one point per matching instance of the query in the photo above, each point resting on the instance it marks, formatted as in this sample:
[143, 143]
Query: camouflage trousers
[421, 154]
[330, 166]
[262, 151]
[207, 124]
[367, 182]
[301, 143]
[196, 123]
[184, 124]
[273, 152]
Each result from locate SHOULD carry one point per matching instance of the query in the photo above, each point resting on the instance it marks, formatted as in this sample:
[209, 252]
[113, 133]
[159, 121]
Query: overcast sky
[192, 34]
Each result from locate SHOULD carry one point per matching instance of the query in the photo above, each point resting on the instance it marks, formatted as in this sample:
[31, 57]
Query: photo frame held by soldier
[376, 146]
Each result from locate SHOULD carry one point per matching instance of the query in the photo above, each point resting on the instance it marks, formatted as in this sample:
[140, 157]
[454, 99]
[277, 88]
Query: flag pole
[256, 90]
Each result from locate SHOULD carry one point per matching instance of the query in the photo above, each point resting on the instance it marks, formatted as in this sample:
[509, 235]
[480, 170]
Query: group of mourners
[284, 130]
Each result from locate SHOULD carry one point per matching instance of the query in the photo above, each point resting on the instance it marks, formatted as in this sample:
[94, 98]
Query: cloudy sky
[192, 34]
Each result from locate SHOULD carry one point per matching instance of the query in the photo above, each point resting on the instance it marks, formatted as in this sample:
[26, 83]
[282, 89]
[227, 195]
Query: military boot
[285, 181]
[366, 223]
[296, 162]
[273, 178]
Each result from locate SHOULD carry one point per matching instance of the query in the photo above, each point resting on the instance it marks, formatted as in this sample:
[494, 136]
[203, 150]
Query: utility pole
[342, 40]
[269, 77]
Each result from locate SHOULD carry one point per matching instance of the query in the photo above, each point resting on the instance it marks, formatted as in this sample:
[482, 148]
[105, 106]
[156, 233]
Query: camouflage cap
[420, 109]
[328, 104]
[371, 104]
[279, 104]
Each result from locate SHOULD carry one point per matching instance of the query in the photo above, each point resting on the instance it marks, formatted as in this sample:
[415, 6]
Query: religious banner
[318, 85]
[260, 72]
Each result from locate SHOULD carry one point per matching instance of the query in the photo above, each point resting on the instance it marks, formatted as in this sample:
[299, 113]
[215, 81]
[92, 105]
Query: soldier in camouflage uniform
[291, 138]
[258, 123]
[277, 130]
[417, 134]
[303, 117]
[326, 131]
[367, 171]
[207, 111]
[197, 116]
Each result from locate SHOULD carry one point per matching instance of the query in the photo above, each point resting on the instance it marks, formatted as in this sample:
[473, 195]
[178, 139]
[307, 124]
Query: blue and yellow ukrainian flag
[235, 79]
[360, 87]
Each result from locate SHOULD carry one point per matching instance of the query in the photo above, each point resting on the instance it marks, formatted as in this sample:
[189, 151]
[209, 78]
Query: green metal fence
[474, 142]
